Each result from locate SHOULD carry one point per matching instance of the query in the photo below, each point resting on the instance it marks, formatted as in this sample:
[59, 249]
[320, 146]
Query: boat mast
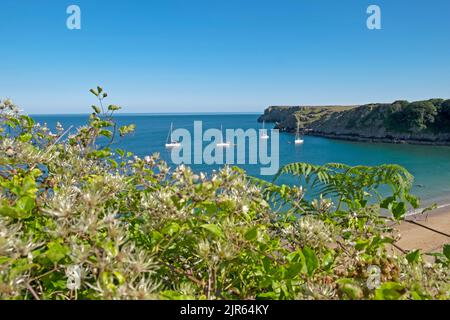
[170, 133]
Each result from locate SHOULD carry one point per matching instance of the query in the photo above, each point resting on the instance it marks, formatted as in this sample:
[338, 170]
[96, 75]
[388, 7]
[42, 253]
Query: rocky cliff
[421, 122]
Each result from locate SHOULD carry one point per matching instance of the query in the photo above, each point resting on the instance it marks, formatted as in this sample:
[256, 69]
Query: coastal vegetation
[431, 115]
[80, 220]
[422, 122]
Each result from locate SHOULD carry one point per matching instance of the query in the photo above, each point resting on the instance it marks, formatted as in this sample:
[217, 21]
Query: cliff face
[280, 114]
[423, 122]
[288, 118]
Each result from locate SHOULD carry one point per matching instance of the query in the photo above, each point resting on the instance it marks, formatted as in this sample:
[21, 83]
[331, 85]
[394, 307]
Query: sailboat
[222, 143]
[169, 142]
[298, 138]
[264, 134]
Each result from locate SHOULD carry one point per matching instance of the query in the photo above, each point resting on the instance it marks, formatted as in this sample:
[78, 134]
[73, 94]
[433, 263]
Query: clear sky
[221, 55]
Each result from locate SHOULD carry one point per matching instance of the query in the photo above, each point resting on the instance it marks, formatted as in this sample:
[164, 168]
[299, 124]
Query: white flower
[73, 274]
[147, 159]
[59, 127]
[9, 151]
[245, 209]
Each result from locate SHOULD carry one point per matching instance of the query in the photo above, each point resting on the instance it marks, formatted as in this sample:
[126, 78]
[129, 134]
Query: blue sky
[221, 56]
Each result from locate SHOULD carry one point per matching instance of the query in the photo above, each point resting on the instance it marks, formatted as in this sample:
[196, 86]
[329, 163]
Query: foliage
[356, 187]
[79, 222]
[420, 116]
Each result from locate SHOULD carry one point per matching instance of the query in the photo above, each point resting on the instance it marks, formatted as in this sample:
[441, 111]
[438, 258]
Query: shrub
[78, 222]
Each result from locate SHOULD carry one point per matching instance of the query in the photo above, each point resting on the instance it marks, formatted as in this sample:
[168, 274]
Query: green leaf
[389, 291]
[386, 202]
[14, 213]
[156, 236]
[311, 260]
[251, 234]
[120, 278]
[99, 154]
[113, 163]
[96, 109]
[56, 251]
[414, 201]
[171, 228]
[327, 261]
[114, 108]
[446, 251]
[4, 260]
[399, 210]
[94, 92]
[28, 119]
[106, 133]
[12, 122]
[361, 244]
[127, 129]
[416, 296]
[25, 137]
[214, 229]
[294, 269]
[26, 204]
[351, 288]
[267, 296]
[120, 152]
[20, 266]
[414, 256]
[28, 186]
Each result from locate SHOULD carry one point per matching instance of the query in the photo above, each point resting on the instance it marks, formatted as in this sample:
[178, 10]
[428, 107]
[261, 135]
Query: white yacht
[222, 143]
[171, 143]
[298, 138]
[264, 134]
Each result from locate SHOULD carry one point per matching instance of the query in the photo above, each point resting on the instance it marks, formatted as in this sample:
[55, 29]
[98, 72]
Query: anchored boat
[169, 142]
[298, 138]
[222, 143]
[264, 134]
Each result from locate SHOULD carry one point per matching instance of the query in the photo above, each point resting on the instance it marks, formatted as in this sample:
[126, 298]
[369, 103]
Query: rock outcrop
[423, 122]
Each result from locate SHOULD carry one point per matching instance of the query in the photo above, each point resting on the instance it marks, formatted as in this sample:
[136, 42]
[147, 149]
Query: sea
[430, 165]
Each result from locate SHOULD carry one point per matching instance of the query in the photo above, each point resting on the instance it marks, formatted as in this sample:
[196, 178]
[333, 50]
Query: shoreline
[441, 143]
[428, 232]
[418, 212]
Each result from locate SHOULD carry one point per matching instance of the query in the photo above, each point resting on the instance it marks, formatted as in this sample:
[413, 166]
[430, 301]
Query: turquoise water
[430, 165]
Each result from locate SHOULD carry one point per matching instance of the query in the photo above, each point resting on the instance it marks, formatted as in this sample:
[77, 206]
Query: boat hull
[172, 145]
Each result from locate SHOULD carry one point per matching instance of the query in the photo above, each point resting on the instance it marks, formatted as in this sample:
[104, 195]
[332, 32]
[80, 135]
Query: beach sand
[415, 236]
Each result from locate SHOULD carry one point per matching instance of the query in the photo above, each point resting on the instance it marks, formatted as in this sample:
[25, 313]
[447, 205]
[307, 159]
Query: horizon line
[150, 113]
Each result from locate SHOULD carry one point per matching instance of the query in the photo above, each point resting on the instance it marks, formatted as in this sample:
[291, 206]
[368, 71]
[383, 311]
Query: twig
[56, 141]
[190, 277]
[44, 274]
[401, 250]
[431, 229]
[35, 295]
[343, 247]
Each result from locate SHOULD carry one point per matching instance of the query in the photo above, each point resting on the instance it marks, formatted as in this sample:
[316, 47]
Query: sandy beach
[416, 231]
